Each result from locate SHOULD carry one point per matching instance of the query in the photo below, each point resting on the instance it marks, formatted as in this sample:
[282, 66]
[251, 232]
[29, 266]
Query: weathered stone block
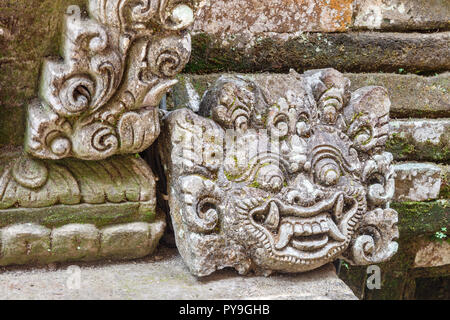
[132, 240]
[75, 242]
[417, 181]
[227, 17]
[432, 254]
[412, 96]
[125, 241]
[419, 139]
[24, 243]
[401, 14]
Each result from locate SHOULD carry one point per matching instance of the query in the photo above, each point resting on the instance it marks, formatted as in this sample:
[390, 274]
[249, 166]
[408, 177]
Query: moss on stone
[55, 216]
[418, 218]
[399, 147]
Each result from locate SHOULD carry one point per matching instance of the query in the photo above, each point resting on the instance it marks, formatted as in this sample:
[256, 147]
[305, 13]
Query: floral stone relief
[97, 108]
[281, 173]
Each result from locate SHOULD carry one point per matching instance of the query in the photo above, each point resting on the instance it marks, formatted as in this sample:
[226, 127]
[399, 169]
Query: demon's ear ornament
[281, 173]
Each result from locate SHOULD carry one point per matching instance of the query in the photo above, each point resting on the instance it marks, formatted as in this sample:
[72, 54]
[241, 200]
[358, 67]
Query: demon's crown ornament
[281, 173]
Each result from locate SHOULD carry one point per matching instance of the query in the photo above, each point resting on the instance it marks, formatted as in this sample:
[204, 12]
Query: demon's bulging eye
[327, 172]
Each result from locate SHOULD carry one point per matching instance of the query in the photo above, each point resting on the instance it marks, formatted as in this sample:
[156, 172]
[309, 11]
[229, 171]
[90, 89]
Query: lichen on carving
[118, 61]
[281, 173]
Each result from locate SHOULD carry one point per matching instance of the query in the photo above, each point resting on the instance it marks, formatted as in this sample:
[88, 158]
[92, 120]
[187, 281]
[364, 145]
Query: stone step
[165, 277]
[346, 52]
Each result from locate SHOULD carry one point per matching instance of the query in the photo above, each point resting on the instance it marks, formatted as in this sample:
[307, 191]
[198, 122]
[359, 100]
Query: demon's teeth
[307, 230]
[339, 207]
[273, 218]
[334, 232]
[286, 233]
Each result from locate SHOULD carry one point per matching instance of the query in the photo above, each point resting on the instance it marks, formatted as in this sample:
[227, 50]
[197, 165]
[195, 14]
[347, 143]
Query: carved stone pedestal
[70, 210]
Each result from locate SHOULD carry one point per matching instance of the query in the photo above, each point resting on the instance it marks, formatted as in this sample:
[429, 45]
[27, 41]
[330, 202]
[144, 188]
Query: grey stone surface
[417, 181]
[75, 242]
[125, 241]
[420, 139]
[432, 254]
[34, 244]
[281, 172]
[401, 15]
[24, 243]
[347, 52]
[164, 276]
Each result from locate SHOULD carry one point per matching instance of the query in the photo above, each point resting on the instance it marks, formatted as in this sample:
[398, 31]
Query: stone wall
[402, 45]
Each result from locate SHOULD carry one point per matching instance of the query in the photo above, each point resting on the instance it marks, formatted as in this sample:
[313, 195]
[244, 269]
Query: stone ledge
[346, 52]
[34, 244]
[165, 277]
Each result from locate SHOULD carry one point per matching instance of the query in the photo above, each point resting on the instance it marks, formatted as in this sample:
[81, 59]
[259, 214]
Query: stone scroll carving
[118, 62]
[281, 173]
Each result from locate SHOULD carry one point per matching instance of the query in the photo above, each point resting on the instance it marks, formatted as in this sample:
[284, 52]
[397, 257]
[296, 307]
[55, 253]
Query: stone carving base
[74, 210]
[30, 243]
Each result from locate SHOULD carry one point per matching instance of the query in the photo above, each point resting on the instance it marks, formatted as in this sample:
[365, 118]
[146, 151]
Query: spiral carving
[94, 141]
[76, 94]
[168, 56]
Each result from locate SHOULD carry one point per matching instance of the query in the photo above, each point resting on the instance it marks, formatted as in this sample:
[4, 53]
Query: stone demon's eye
[327, 172]
[269, 177]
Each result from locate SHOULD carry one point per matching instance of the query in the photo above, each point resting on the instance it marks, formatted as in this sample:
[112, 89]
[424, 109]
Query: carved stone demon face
[282, 176]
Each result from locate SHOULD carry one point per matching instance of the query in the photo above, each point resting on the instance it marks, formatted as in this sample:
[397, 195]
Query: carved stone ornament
[281, 173]
[102, 98]
[99, 102]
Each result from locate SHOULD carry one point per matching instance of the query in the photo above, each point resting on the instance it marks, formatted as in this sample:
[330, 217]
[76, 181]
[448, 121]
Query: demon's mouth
[306, 231]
